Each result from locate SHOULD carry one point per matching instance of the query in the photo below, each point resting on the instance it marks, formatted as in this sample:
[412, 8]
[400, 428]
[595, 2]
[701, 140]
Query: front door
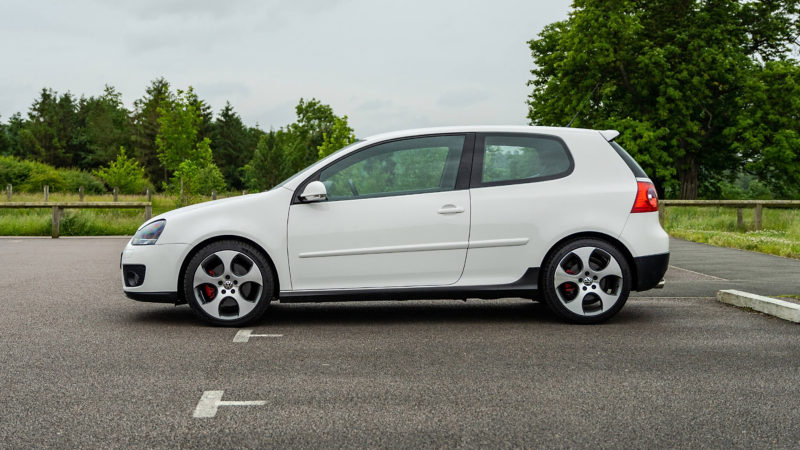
[394, 217]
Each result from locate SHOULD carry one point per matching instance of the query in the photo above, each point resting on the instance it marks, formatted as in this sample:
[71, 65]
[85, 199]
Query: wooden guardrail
[757, 205]
[59, 207]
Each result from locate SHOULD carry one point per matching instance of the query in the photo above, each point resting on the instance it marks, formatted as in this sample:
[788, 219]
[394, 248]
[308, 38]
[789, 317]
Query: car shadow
[396, 312]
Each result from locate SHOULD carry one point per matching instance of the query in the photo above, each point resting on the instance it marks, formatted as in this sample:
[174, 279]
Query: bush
[76, 178]
[124, 174]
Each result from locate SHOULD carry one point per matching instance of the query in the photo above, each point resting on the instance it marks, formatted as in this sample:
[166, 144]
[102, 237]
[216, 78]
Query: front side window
[410, 166]
[523, 158]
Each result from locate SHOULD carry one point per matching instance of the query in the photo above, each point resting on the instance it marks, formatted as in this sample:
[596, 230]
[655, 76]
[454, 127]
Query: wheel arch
[602, 236]
[226, 237]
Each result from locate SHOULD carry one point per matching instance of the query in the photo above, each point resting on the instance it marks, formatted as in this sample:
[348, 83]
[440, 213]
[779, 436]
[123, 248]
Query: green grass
[717, 226]
[80, 222]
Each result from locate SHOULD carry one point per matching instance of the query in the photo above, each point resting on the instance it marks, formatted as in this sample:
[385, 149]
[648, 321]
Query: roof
[558, 131]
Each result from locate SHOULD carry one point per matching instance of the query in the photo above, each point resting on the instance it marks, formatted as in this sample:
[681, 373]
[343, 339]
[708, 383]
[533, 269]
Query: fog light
[133, 274]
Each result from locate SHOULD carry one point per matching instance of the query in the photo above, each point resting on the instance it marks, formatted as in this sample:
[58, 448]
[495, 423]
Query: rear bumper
[650, 270]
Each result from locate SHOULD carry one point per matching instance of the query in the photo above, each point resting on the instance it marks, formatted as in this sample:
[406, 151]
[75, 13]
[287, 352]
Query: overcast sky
[386, 65]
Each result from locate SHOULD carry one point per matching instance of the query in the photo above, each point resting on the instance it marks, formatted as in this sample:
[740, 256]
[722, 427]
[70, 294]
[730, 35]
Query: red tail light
[646, 198]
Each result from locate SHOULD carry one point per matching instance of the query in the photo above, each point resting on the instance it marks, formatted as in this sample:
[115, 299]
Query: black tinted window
[513, 158]
[637, 170]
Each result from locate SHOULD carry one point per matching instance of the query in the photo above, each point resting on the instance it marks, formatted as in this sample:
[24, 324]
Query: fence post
[244, 192]
[661, 212]
[8, 192]
[214, 195]
[148, 212]
[80, 193]
[757, 217]
[116, 195]
[148, 195]
[57, 211]
[46, 193]
[739, 218]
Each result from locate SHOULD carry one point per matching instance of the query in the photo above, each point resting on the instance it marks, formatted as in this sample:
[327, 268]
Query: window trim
[480, 150]
[462, 176]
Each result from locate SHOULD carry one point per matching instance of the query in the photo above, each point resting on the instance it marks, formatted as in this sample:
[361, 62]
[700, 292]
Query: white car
[560, 215]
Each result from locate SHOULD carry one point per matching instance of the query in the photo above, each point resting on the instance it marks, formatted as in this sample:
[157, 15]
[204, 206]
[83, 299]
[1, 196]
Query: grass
[80, 222]
[717, 226]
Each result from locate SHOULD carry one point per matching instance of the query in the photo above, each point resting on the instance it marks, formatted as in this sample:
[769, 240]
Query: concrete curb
[772, 306]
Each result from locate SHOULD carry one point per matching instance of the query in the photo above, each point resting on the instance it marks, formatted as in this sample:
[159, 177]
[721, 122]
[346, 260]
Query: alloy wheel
[588, 281]
[227, 285]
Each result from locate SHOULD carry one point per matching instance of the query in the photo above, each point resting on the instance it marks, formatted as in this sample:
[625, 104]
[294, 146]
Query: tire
[228, 283]
[564, 285]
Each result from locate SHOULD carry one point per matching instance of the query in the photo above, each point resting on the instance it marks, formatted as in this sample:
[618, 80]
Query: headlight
[149, 234]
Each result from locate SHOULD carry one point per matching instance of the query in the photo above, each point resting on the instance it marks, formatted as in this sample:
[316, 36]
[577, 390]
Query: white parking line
[245, 335]
[211, 400]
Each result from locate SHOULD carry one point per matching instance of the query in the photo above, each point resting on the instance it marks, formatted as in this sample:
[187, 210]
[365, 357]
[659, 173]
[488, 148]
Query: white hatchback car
[560, 215]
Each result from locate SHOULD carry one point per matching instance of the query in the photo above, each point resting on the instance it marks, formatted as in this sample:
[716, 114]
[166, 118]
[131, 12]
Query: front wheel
[228, 283]
[586, 281]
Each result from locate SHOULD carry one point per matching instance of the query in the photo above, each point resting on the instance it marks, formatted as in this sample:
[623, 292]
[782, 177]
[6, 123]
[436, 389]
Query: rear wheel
[228, 283]
[586, 281]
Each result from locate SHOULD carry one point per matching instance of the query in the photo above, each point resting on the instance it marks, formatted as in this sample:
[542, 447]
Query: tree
[767, 132]
[106, 126]
[190, 161]
[233, 145]
[49, 133]
[123, 174]
[267, 168]
[341, 135]
[146, 128]
[668, 75]
[9, 141]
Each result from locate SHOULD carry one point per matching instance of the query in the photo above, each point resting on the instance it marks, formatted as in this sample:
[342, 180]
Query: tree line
[704, 92]
[169, 140]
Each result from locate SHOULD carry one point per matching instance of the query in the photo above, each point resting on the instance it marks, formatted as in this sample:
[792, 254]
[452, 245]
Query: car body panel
[379, 242]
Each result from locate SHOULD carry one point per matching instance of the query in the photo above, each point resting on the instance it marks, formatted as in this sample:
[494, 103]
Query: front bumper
[162, 275]
[650, 270]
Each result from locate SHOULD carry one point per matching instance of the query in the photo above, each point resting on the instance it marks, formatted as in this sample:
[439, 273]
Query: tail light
[646, 198]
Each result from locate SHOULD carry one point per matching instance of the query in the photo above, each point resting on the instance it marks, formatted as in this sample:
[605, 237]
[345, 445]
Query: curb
[772, 306]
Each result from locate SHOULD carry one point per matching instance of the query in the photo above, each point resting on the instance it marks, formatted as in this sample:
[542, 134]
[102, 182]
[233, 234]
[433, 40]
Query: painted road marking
[245, 335]
[211, 400]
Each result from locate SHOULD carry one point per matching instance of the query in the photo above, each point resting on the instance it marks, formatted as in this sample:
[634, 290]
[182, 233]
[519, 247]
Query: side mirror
[314, 192]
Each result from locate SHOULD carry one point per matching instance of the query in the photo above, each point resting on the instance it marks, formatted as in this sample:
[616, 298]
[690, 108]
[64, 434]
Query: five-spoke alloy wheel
[228, 283]
[586, 281]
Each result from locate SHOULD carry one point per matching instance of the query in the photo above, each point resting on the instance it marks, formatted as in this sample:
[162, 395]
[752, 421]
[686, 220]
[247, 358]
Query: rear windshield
[637, 170]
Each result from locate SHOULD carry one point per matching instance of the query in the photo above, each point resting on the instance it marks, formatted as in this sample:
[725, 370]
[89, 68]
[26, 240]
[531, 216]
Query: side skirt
[525, 287]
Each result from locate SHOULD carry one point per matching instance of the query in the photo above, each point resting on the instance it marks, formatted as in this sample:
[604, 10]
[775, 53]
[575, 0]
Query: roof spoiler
[610, 135]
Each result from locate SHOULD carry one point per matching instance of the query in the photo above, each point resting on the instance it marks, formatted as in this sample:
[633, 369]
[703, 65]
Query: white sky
[386, 65]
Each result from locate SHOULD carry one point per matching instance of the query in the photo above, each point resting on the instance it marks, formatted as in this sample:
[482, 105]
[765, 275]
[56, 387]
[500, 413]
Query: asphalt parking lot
[84, 367]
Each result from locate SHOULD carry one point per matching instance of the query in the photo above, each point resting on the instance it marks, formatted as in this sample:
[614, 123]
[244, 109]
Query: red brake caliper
[211, 291]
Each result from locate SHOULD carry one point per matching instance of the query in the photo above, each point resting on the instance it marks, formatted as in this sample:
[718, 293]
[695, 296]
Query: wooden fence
[59, 207]
[757, 205]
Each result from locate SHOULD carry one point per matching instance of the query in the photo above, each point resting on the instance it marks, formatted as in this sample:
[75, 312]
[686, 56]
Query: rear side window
[519, 159]
[637, 170]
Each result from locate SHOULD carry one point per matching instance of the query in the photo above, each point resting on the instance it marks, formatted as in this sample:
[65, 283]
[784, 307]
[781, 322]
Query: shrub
[76, 178]
[124, 174]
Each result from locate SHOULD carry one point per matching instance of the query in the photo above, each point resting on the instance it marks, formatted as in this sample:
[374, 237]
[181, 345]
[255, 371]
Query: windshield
[315, 163]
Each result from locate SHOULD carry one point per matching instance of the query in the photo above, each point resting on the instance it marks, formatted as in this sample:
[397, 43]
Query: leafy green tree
[106, 126]
[49, 133]
[668, 75]
[146, 127]
[232, 144]
[190, 161]
[267, 168]
[340, 136]
[767, 132]
[9, 139]
[123, 174]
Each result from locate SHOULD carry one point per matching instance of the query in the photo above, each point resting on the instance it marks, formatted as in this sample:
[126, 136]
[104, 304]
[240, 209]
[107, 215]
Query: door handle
[450, 209]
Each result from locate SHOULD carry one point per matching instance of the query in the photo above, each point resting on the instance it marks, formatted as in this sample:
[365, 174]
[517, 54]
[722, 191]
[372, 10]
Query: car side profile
[560, 215]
